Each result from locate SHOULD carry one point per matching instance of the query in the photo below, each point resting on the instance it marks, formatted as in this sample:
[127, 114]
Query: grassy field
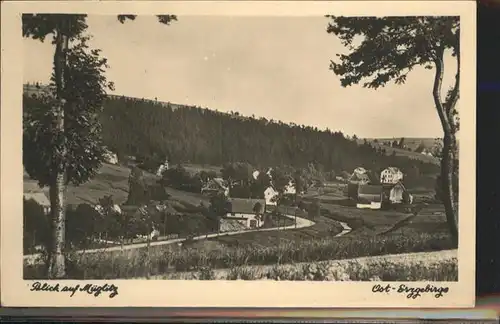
[375, 232]
[112, 180]
[401, 152]
[423, 266]
[411, 142]
[195, 168]
[376, 221]
[160, 260]
[324, 228]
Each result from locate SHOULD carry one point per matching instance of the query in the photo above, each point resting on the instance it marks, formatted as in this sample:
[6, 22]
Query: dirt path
[346, 229]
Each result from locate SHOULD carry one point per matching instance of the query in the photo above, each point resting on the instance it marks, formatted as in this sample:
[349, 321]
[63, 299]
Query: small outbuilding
[369, 196]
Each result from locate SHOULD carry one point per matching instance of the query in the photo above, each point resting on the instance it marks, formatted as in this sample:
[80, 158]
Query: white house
[110, 157]
[215, 186]
[426, 152]
[391, 175]
[269, 195]
[290, 189]
[248, 212]
[114, 208]
[359, 178]
[397, 193]
[360, 170]
[162, 168]
[255, 174]
[40, 198]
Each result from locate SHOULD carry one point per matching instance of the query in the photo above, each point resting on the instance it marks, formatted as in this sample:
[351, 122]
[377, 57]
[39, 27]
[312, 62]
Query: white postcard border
[16, 292]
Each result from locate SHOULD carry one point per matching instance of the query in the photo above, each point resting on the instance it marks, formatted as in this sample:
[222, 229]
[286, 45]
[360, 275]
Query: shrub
[241, 273]
[388, 268]
[36, 229]
[206, 273]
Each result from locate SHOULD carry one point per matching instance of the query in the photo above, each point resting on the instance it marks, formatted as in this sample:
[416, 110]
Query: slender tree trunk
[148, 256]
[449, 142]
[56, 267]
[448, 183]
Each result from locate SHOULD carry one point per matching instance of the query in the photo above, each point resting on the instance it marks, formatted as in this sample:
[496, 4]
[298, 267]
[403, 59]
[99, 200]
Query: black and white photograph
[248, 148]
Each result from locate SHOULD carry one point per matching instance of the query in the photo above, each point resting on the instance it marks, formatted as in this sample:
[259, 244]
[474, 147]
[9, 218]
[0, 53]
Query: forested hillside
[195, 135]
[205, 136]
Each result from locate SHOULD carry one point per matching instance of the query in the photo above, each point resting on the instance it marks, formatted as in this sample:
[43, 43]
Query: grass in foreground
[433, 266]
[167, 259]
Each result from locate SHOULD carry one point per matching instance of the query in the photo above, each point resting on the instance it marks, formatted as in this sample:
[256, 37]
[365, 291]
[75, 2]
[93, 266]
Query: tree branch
[436, 91]
[454, 93]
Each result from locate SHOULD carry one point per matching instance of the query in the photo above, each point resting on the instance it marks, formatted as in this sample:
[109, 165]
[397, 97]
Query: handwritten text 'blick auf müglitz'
[91, 289]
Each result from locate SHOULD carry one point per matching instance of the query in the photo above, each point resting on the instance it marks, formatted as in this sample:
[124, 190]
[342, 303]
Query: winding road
[300, 223]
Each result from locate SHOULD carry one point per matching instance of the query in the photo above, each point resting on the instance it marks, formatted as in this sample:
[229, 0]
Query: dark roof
[220, 182]
[370, 190]
[392, 169]
[359, 177]
[245, 206]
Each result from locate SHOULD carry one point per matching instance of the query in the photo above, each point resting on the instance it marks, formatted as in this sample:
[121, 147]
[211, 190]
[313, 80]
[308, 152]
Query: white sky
[274, 67]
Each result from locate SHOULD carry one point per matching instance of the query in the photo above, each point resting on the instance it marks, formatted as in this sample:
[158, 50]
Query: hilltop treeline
[205, 136]
[196, 135]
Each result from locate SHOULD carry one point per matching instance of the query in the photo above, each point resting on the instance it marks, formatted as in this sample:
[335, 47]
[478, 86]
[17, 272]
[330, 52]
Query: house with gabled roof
[215, 186]
[248, 212]
[357, 178]
[396, 193]
[391, 175]
[270, 195]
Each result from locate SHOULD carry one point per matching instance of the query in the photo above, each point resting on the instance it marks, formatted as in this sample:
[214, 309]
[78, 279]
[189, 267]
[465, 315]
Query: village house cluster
[248, 212]
[389, 189]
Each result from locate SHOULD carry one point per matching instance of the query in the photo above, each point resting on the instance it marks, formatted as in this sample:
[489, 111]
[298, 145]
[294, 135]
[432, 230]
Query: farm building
[215, 186]
[369, 196]
[110, 157]
[248, 212]
[359, 176]
[352, 190]
[269, 195]
[162, 168]
[391, 175]
[360, 170]
[40, 198]
[290, 189]
[396, 193]
[340, 179]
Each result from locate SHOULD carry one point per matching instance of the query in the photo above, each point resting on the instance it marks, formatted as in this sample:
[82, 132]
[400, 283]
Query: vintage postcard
[266, 154]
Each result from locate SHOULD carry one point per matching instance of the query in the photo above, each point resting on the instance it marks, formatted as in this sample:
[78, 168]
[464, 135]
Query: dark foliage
[81, 139]
[187, 134]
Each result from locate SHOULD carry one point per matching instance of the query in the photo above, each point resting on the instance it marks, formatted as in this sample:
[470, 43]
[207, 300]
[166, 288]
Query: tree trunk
[448, 183]
[148, 256]
[56, 268]
[449, 142]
